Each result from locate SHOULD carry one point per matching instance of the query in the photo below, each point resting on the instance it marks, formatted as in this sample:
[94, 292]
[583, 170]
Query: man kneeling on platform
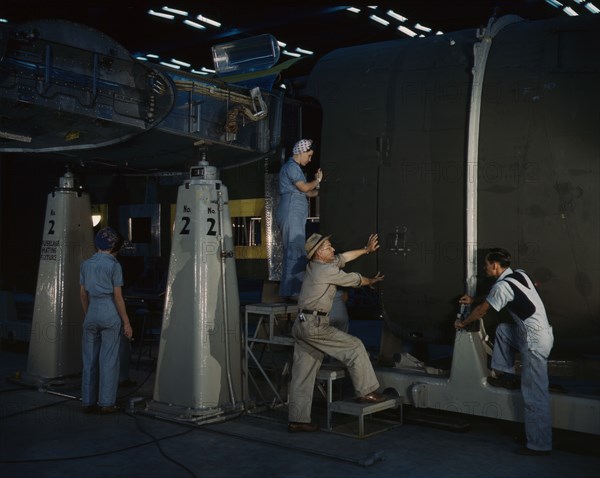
[315, 338]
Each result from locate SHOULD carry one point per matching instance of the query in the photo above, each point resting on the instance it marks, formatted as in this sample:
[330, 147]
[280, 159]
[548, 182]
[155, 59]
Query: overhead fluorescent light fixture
[396, 16]
[579, 1]
[439, 32]
[198, 72]
[161, 15]
[281, 44]
[207, 20]
[305, 52]
[170, 65]
[208, 70]
[175, 11]
[554, 3]
[194, 25]
[141, 58]
[592, 8]
[418, 26]
[377, 19]
[353, 10]
[291, 53]
[569, 11]
[3, 20]
[407, 31]
[152, 55]
[180, 63]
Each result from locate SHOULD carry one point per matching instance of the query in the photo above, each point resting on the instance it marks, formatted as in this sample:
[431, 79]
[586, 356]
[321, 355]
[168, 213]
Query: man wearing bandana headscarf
[292, 213]
[101, 280]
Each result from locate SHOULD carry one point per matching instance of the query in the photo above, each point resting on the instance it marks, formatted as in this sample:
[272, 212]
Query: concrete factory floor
[45, 434]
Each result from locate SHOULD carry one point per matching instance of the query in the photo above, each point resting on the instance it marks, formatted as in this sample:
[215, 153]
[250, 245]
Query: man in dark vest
[530, 335]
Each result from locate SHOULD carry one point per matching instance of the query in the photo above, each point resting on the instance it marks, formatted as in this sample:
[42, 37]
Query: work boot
[295, 427]
[504, 382]
[372, 397]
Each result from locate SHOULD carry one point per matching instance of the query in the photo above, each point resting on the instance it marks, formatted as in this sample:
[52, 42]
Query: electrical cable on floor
[94, 455]
[48, 405]
[157, 443]
[142, 383]
[365, 461]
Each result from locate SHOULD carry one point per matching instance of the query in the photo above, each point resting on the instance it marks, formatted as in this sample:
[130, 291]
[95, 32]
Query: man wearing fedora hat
[315, 338]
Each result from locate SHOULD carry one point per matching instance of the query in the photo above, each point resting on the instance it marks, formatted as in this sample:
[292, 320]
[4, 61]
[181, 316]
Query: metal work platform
[329, 373]
[267, 326]
[274, 323]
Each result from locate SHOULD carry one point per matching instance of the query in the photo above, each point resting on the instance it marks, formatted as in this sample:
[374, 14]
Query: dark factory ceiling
[307, 27]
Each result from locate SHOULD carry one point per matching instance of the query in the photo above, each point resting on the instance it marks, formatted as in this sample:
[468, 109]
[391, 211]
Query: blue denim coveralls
[291, 216]
[102, 330]
[531, 335]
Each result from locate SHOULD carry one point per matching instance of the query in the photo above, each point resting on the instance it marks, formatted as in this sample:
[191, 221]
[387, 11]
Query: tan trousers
[315, 338]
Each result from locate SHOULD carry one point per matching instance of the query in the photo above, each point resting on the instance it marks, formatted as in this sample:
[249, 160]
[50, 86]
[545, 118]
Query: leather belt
[313, 312]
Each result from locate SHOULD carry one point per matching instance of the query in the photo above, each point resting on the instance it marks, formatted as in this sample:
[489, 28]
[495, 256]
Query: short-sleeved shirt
[516, 291]
[100, 274]
[500, 294]
[320, 281]
[289, 175]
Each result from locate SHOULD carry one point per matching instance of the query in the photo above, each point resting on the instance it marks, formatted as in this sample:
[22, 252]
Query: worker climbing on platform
[314, 337]
[530, 335]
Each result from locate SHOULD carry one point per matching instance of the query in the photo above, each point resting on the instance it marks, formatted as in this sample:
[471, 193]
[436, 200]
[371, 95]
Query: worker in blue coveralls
[291, 216]
[530, 335]
[101, 282]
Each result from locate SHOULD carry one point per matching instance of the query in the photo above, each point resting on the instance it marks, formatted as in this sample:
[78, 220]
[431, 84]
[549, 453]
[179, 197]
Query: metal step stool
[331, 372]
[361, 410]
[328, 373]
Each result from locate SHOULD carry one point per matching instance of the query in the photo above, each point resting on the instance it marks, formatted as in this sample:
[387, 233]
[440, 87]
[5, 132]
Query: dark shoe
[373, 397]
[529, 452]
[504, 382]
[90, 409]
[107, 410]
[127, 383]
[295, 427]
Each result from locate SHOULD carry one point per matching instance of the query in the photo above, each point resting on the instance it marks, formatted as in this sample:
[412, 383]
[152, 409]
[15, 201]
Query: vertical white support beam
[480, 55]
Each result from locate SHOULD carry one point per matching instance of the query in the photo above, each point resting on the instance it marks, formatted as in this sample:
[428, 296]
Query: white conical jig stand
[55, 341]
[199, 369]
